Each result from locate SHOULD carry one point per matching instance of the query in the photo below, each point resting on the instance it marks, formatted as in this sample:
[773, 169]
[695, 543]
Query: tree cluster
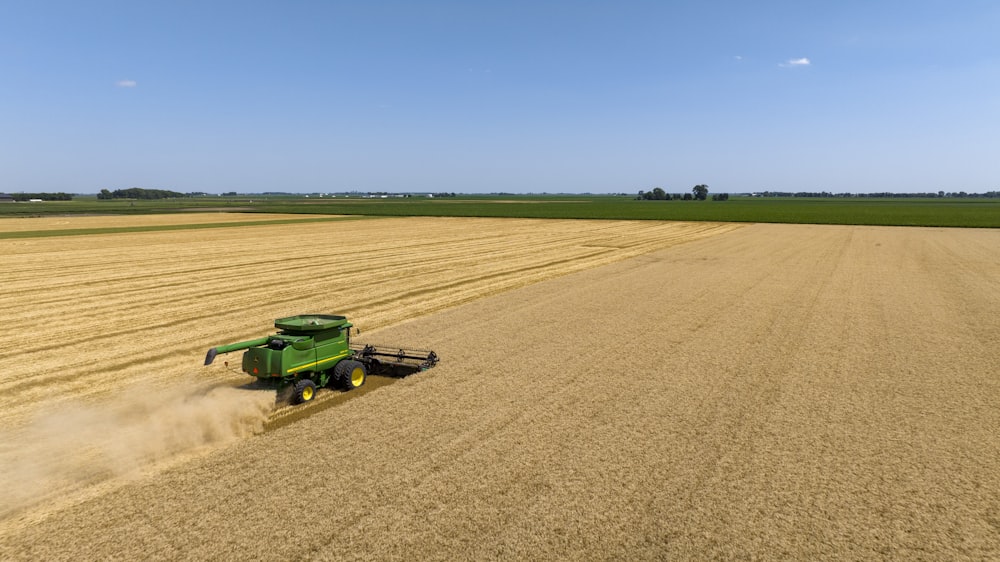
[138, 193]
[60, 196]
[698, 192]
[657, 194]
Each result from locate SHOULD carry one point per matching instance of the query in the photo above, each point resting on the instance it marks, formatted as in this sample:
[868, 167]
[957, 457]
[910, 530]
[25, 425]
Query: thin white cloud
[738, 57]
[792, 63]
[126, 83]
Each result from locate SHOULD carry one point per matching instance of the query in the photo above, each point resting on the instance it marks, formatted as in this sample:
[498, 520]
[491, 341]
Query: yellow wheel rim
[357, 377]
[307, 394]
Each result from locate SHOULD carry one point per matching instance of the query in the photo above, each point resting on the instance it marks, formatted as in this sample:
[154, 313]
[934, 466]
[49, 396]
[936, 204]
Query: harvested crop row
[90, 315]
[779, 392]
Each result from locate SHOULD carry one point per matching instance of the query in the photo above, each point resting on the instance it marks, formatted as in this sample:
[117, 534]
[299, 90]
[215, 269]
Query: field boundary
[167, 227]
[870, 211]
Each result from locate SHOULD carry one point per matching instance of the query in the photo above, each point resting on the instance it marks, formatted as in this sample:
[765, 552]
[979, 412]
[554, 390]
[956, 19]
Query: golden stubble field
[106, 334]
[98, 314]
[774, 391]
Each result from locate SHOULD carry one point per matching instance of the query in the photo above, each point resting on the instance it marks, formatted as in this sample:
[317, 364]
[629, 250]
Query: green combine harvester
[314, 350]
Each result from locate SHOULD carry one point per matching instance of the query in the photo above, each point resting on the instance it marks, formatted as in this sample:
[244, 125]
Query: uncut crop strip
[89, 315]
[112, 222]
[56, 232]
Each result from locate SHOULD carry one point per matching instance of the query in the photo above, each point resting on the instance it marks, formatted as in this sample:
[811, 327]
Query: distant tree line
[698, 193]
[925, 195]
[60, 196]
[138, 193]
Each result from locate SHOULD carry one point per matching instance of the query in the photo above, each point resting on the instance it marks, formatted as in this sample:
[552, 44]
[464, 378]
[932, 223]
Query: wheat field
[89, 315]
[605, 392]
[106, 332]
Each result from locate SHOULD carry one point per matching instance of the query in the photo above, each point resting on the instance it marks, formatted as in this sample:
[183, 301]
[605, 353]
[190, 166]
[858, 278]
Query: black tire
[350, 374]
[305, 391]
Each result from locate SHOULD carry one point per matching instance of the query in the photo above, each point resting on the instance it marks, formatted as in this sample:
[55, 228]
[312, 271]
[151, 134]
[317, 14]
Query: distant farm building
[4, 198]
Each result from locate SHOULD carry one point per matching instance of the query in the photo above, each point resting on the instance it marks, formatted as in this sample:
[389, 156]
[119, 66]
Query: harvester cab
[315, 350]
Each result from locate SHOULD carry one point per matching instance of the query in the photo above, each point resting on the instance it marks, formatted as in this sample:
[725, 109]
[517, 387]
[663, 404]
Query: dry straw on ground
[94, 323]
[775, 392]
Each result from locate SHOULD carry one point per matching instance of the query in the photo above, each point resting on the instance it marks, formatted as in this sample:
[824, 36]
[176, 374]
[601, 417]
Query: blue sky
[515, 96]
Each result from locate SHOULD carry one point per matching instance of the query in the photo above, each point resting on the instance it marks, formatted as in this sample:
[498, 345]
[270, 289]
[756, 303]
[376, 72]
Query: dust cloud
[71, 446]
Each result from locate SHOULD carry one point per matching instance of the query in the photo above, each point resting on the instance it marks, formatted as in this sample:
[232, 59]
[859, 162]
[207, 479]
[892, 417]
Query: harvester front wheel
[350, 374]
[305, 390]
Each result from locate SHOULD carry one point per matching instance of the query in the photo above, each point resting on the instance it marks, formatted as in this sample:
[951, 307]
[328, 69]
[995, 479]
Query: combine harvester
[314, 350]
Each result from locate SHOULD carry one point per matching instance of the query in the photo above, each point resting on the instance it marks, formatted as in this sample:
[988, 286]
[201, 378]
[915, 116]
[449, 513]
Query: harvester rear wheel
[350, 374]
[305, 390]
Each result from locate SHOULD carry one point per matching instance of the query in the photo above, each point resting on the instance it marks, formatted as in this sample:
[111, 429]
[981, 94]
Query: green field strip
[165, 227]
[931, 212]
[974, 213]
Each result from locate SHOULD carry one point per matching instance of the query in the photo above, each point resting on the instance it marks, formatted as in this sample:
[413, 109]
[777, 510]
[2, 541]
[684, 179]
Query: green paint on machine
[314, 350]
